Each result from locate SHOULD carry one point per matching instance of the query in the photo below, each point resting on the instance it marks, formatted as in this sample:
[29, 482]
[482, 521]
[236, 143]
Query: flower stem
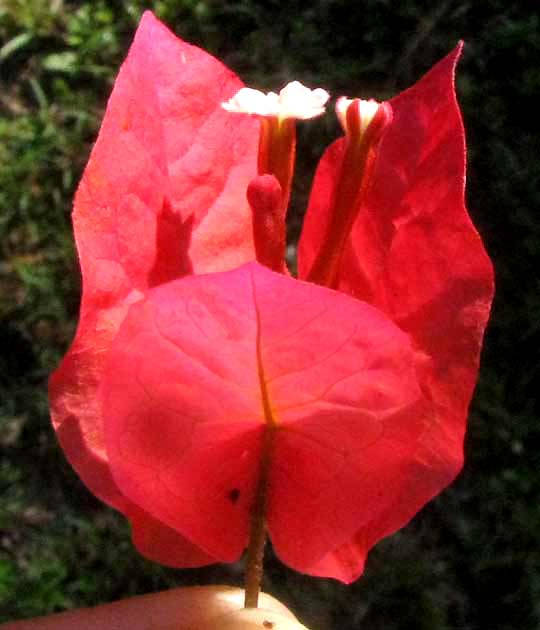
[257, 536]
[254, 559]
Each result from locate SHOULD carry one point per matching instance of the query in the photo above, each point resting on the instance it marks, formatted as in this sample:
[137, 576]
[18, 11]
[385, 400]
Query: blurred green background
[471, 559]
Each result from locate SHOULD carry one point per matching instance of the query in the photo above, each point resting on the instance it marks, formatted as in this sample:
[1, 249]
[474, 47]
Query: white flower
[294, 101]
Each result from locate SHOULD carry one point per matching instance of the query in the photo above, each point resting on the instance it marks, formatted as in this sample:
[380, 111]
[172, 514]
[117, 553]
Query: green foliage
[471, 559]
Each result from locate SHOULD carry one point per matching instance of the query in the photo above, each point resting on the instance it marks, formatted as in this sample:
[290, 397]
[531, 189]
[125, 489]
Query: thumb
[192, 608]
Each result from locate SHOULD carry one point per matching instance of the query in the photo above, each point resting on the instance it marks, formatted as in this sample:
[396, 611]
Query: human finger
[176, 609]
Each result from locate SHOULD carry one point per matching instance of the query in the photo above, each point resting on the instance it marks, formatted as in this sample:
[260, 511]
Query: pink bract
[188, 350]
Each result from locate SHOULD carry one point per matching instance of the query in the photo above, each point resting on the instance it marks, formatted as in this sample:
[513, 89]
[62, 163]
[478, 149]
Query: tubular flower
[204, 382]
[269, 196]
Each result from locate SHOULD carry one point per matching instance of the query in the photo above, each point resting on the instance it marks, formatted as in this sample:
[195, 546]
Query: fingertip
[221, 600]
[253, 619]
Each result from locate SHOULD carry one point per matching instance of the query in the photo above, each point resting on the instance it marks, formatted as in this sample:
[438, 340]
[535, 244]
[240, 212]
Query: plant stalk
[257, 536]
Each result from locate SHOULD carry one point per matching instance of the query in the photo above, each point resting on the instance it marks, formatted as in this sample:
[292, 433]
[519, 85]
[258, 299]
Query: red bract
[196, 381]
[163, 195]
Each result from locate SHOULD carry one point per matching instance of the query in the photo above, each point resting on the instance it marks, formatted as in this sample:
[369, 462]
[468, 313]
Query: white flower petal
[294, 101]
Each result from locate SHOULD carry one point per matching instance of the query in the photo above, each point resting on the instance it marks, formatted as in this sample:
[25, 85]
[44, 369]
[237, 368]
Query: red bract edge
[164, 198]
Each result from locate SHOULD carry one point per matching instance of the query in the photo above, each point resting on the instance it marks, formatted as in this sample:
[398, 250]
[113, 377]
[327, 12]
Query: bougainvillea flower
[204, 377]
